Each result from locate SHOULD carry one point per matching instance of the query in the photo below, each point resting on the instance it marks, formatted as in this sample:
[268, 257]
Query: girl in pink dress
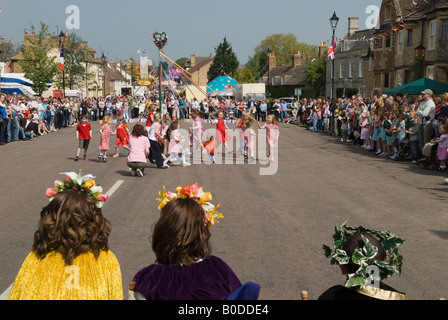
[221, 128]
[272, 134]
[175, 145]
[249, 139]
[196, 130]
[106, 132]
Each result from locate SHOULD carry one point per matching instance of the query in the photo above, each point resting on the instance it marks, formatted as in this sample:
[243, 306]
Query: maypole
[160, 40]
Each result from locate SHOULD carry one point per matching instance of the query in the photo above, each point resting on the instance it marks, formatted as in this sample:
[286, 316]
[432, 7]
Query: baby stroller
[404, 151]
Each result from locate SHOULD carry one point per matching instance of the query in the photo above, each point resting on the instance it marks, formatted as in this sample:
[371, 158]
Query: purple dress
[209, 279]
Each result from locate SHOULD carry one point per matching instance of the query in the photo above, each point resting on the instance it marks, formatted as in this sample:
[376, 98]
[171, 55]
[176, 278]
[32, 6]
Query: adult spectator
[426, 113]
[2, 120]
[139, 150]
[28, 128]
[16, 115]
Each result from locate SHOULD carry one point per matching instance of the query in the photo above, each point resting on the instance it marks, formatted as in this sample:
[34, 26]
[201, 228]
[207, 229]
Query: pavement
[274, 225]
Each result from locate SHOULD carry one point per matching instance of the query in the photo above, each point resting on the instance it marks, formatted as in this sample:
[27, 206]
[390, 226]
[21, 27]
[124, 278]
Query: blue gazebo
[221, 86]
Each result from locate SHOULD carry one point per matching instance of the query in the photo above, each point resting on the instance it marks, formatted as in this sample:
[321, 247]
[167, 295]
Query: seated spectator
[27, 128]
[357, 249]
[71, 259]
[184, 268]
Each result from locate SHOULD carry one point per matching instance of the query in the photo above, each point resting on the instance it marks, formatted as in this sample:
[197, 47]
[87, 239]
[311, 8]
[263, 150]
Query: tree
[283, 46]
[244, 76]
[224, 62]
[37, 65]
[316, 73]
[75, 57]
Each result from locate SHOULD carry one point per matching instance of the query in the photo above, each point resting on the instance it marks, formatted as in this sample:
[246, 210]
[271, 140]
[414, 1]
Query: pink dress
[196, 134]
[364, 130]
[271, 134]
[249, 138]
[175, 145]
[105, 137]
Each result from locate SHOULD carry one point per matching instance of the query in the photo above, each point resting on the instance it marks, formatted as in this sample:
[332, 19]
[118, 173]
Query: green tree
[316, 73]
[75, 57]
[37, 65]
[244, 75]
[224, 62]
[283, 46]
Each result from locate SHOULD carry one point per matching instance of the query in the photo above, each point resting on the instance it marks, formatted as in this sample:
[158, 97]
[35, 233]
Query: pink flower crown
[195, 192]
[77, 181]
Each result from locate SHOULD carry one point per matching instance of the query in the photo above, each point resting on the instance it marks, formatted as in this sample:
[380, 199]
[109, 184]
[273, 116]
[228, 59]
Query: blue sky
[120, 28]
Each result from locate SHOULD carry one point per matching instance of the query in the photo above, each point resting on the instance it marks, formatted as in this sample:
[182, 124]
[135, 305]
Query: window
[360, 68]
[432, 34]
[350, 69]
[377, 80]
[387, 42]
[387, 12]
[400, 40]
[341, 74]
[430, 72]
[407, 76]
[444, 30]
[410, 39]
[386, 80]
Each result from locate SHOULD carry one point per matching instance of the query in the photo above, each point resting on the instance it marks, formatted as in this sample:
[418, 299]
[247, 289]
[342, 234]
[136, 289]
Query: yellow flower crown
[195, 192]
[77, 181]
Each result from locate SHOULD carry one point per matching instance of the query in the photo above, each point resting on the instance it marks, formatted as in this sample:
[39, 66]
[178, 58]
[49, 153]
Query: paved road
[274, 225]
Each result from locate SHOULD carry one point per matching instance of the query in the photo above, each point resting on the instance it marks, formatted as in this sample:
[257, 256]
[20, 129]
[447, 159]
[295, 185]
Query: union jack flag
[332, 50]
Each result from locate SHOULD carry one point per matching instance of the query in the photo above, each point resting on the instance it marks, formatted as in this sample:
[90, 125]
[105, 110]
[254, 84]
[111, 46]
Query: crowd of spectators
[383, 125]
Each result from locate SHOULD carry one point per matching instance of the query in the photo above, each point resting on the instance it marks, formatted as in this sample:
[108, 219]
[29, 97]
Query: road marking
[114, 187]
[110, 192]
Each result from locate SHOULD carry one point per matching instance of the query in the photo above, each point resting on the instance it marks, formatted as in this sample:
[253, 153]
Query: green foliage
[37, 65]
[244, 76]
[364, 256]
[317, 72]
[224, 62]
[75, 56]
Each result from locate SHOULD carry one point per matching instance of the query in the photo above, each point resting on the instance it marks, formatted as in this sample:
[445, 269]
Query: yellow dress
[51, 279]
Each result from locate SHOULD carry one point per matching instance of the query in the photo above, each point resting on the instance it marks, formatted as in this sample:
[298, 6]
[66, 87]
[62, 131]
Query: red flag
[332, 50]
[61, 61]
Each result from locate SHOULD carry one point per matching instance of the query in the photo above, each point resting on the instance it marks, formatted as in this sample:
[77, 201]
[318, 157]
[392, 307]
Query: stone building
[198, 68]
[411, 43]
[353, 63]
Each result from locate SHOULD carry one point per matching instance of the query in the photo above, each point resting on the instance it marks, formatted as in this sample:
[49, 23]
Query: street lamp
[61, 44]
[334, 23]
[103, 60]
[268, 51]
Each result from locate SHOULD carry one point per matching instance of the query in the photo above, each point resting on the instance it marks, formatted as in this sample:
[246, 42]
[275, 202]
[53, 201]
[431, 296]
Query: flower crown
[364, 256]
[77, 181]
[195, 192]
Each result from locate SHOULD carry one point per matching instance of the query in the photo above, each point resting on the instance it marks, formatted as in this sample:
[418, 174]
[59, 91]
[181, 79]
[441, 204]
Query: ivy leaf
[327, 251]
[355, 281]
[341, 256]
[358, 257]
[369, 249]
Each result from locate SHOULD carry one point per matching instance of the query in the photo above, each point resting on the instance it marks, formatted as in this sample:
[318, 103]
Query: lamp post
[268, 51]
[334, 23]
[61, 44]
[103, 60]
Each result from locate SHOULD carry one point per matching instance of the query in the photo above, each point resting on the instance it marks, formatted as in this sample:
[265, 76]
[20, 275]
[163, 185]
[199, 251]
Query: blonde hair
[105, 120]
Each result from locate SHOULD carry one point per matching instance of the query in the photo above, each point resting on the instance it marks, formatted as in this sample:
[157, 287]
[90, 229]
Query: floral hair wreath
[364, 256]
[195, 192]
[77, 181]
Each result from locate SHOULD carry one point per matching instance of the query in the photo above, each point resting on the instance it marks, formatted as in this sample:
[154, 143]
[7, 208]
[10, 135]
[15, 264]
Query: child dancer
[196, 130]
[122, 132]
[106, 132]
[242, 128]
[83, 135]
[175, 145]
[442, 145]
[210, 147]
[221, 130]
[272, 134]
[249, 139]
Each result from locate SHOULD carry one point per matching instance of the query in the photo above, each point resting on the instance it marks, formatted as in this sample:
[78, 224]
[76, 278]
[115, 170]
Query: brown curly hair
[180, 236]
[71, 224]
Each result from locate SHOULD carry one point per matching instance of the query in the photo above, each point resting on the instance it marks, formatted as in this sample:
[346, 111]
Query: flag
[332, 50]
[61, 61]
[138, 51]
[145, 51]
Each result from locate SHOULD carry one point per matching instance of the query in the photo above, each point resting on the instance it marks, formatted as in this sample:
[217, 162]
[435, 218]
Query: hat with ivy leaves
[365, 256]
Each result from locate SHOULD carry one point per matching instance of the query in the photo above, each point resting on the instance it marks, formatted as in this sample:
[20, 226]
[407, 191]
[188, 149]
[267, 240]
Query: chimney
[272, 61]
[297, 59]
[353, 25]
[192, 60]
[322, 48]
